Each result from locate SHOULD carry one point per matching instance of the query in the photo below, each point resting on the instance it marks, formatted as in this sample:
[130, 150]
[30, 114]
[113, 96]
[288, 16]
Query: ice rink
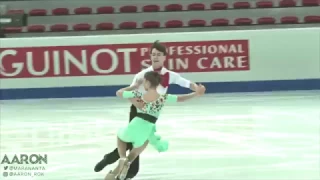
[274, 136]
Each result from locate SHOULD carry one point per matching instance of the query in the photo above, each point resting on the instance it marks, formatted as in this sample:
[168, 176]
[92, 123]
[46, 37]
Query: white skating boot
[111, 176]
[124, 165]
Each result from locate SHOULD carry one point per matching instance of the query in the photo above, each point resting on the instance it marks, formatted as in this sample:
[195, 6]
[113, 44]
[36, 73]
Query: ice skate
[111, 176]
[124, 165]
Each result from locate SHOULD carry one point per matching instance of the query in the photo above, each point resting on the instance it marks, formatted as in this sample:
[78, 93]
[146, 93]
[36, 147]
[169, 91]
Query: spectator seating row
[95, 15]
[167, 24]
[58, 11]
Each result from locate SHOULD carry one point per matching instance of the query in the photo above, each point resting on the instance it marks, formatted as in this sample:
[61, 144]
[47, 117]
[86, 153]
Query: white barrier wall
[230, 61]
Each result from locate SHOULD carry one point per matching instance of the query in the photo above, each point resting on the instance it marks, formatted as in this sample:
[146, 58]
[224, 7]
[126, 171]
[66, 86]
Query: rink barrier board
[269, 68]
[212, 87]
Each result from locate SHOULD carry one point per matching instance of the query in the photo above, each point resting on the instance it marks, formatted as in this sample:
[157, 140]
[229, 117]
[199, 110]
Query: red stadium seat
[129, 9]
[104, 26]
[105, 10]
[220, 22]
[266, 20]
[197, 23]
[60, 11]
[219, 6]
[173, 7]
[289, 20]
[12, 30]
[310, 2]
[38, 12]
[81, 27]
[15, 11]
[59, 28]
[196, 7]
[243, 21]
[287, 3]
[151, 8]
[83, 10]
[128, 25]
[241, 5]
[264, 4]
[312, 19]
[36, 28]
[174, 24]
[151, 24]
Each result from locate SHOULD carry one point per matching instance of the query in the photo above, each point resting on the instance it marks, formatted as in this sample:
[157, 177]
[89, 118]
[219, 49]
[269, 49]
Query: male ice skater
[158, 54]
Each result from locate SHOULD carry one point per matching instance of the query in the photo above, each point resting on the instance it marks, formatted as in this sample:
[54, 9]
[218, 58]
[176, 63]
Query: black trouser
[114, 155]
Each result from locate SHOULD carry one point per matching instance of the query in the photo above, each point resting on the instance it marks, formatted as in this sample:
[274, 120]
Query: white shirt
[174, 78]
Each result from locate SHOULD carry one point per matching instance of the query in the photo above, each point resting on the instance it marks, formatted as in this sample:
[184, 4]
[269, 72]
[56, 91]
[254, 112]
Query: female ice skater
[158, 55]
[142, 127]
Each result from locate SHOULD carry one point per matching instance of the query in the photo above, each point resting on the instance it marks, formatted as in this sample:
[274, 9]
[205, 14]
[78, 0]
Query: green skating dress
[143, 126]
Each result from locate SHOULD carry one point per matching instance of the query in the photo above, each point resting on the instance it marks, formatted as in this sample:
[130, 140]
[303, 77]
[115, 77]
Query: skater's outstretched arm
[200, 90]
[179, 80]
[137, 81]
[128, 94]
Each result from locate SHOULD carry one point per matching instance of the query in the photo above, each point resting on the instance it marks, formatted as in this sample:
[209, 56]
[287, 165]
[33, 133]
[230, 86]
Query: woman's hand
[119, 92]
[200, 90]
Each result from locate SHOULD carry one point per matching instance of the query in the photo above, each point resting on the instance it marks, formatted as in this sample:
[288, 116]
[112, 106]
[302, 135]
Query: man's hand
[137, 102]
[193, 87]
[201, 89]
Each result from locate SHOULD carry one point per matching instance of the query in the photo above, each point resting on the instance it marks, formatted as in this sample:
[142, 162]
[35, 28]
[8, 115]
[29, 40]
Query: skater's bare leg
[122, 148]
[113, 156]
[124, 163]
